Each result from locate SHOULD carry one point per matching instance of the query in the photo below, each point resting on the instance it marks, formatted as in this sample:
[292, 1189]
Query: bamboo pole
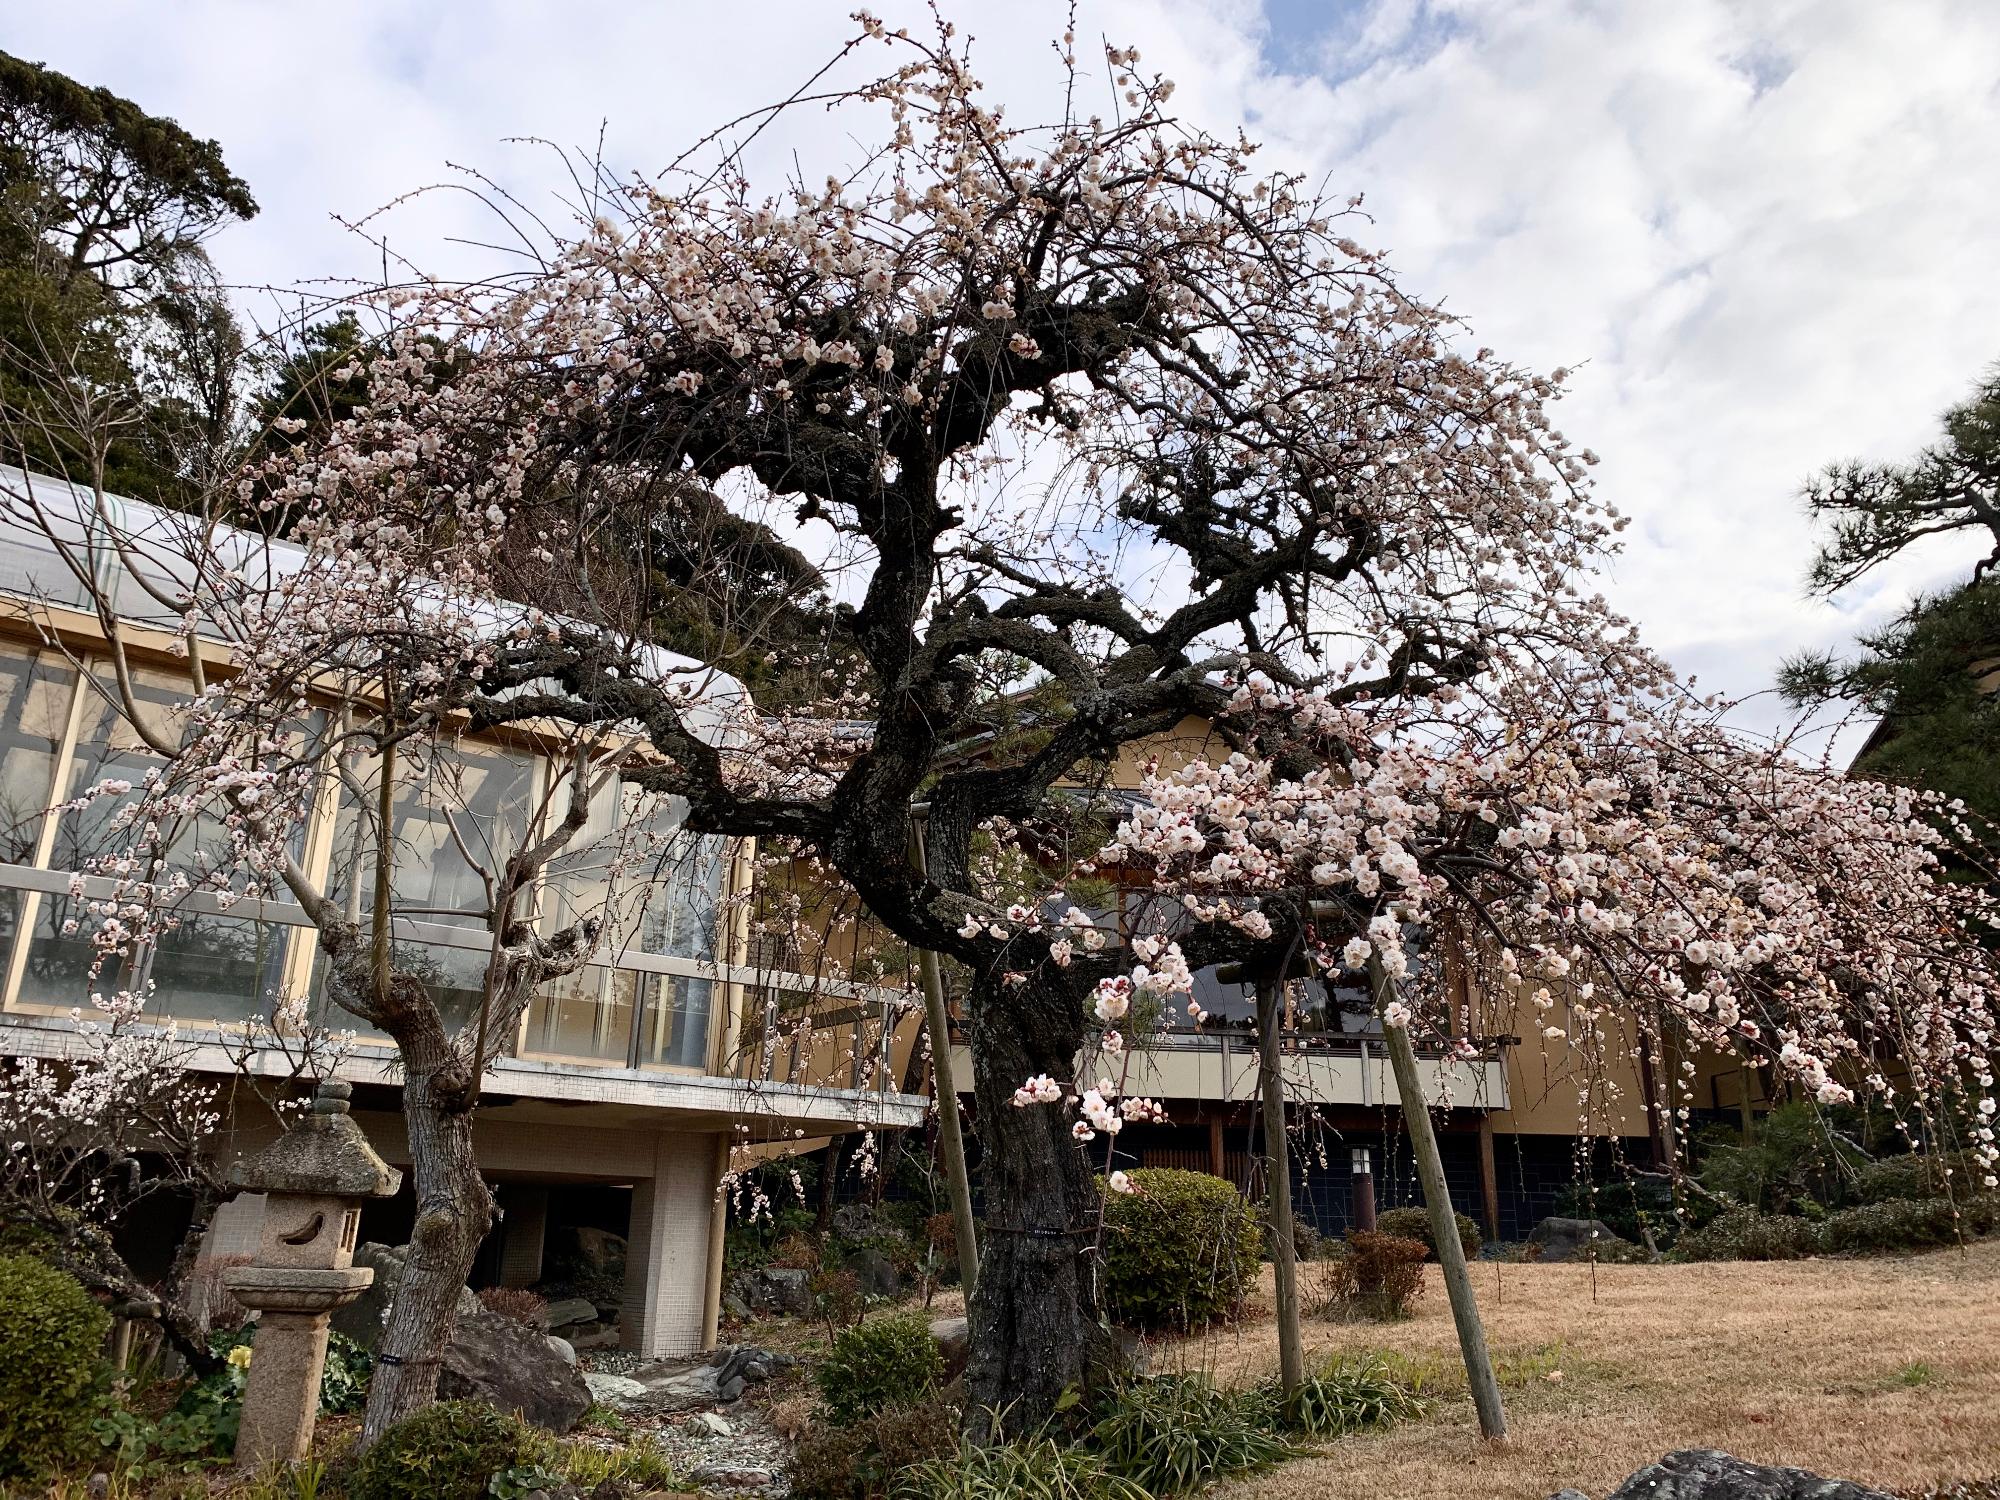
[950, 1140]
[1444, 1227]
[1278, 1184]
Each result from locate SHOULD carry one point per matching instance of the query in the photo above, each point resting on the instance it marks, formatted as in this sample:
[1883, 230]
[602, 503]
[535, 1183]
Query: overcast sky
[1764, 233]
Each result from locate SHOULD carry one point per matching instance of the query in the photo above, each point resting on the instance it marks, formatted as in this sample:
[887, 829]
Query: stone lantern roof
[323, 1155]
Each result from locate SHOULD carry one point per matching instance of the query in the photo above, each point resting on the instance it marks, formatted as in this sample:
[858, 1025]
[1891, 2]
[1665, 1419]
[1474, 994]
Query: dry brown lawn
[1885, 1371]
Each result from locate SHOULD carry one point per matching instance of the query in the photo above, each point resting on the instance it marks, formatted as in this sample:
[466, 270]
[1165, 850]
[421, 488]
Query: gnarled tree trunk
[1036, 1322]
[454, 1213]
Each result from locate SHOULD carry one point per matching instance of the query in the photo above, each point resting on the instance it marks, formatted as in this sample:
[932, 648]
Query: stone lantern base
[288, 1355]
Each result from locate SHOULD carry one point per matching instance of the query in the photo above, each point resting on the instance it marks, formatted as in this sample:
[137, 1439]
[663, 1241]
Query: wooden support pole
[1218, 1159]
[1437, 1198]
[951, 1142]
[1278, 1185]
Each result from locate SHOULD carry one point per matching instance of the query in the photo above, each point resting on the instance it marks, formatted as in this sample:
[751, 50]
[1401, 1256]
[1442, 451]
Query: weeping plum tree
[1191, 364]
[1616, 857]
[1084, 424]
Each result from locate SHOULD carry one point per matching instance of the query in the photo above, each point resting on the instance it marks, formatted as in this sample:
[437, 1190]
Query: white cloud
[1762, 234]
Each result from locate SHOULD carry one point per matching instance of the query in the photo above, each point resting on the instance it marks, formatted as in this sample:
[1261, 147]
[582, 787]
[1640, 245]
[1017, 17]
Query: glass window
[458, 814]
[206, 967]
[35, 688]
[36, 685]
[673, 1031]
[659, 889]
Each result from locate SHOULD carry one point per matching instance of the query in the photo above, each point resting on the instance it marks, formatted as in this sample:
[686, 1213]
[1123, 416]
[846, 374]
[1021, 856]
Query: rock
[855, 1221]
[565, 1351]
[732, 1477]
[774, 1289]
[1135, 1352]
[618, 1392]
[735, 1307]
[1704, 1474]
[876, 1272]
[600, 1250]
[584, 1336]
[362, 1319]
[954, 1340]
[1569, 1239]
[671, 1386]
[490, 1358]
[719, 1425]
[571, 1310]
[511, 1367]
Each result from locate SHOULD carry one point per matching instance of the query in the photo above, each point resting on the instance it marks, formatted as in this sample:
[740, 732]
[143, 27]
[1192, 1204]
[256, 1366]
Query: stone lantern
[313, 1178]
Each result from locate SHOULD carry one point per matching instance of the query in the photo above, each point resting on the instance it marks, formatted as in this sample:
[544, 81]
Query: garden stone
[1568, 1239]
[876, 1272]
[1704, 1474]
[719, 1425]
[512, 1368]
[774, 1289]
[855, 1221]
[362, 1319]
[491, 1358]
[954, 1341]
[618, 1392]
[601, 1250]
[571, 1310]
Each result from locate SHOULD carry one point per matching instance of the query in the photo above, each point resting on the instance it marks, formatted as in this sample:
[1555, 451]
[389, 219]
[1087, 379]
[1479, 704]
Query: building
[625, 1089]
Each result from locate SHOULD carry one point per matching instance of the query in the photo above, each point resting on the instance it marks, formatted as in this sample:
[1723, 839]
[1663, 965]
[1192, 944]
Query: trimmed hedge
[1180, 1251]
[51, 1352]
[1745, 1234]
[1911, 1223]
[1917, 1174]
[1415, 1224]
[1894, 1224]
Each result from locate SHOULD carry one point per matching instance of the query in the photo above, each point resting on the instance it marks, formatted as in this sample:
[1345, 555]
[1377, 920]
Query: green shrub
[1630, 1206]
[1745, 1234]
[449, 1451]
[861, 1461]
[1346, 1396]
[1793, 1159]
[51, 1347]
[1917, 1174]
[1180, 1251]
[1379, 1277]
[889, 1362]
[1911, 1224]
[1042, 1469]
[1176, 1433]
[1415, 1224]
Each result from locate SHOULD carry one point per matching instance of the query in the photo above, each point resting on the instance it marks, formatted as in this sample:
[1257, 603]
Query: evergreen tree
[120, 348]
[1933, 673]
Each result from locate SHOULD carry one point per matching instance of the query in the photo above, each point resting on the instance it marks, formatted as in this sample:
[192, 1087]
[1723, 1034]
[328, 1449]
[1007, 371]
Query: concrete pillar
[666, 1251]
[523, 1231]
